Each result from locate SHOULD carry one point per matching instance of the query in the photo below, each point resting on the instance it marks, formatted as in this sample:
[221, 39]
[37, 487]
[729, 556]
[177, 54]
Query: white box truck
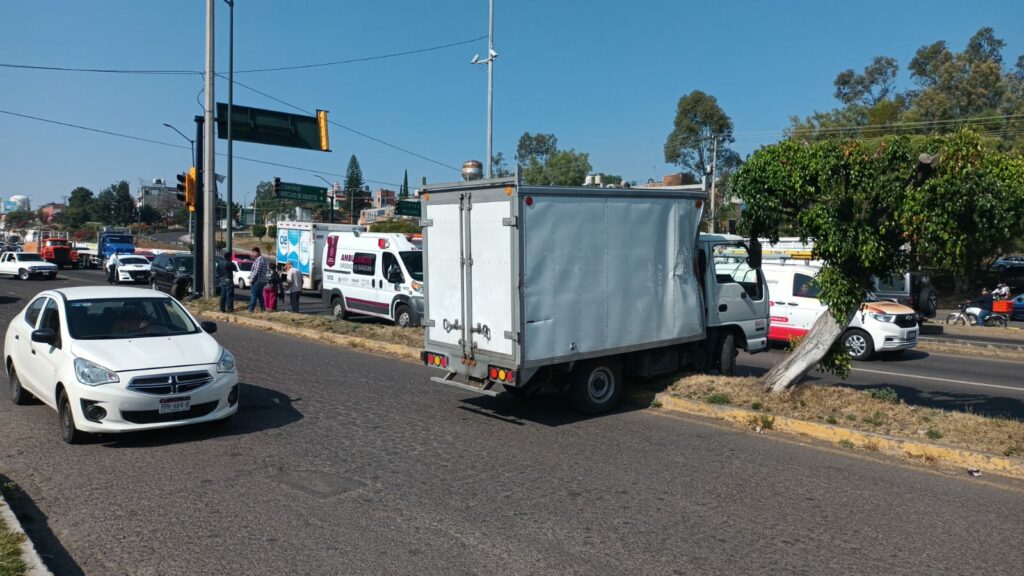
[303, 243]
[525, 285]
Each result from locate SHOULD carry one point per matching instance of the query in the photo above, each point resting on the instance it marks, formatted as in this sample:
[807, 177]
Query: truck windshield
[118, 239]
[413, 263]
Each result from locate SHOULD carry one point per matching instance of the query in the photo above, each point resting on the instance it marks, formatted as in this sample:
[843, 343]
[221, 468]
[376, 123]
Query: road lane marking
[938, 379]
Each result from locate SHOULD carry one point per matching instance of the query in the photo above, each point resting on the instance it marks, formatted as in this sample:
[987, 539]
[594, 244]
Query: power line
[180, 146]
[342, 126]
[172, 72]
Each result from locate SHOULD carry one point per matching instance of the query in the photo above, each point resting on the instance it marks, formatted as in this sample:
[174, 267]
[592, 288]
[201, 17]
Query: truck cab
[735, 291]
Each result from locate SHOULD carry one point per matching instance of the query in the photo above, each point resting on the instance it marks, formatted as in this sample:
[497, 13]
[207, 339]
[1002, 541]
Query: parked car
[113, 360]
[25, 265]
[240, 270]
[1018, 308]
[912, 289]
[172, 273]
[129, 268]
[1009, 264]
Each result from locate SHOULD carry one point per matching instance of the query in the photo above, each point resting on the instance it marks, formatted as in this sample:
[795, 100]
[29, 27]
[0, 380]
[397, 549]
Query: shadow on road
[547, 407]
[37, 526]
[9, 299]
[259, 409]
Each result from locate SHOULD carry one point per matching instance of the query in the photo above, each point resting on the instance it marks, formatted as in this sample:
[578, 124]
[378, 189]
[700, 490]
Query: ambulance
[373, 274]
[878, 326]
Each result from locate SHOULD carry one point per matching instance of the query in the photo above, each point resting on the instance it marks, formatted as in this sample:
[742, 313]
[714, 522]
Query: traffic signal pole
[197, 243]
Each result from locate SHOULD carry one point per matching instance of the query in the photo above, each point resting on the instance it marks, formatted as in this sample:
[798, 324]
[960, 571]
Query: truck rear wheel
[596, 385]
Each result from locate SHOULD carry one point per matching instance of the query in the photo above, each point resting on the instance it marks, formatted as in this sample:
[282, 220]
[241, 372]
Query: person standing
[258, 277]
[227, 285]
[294, 282]
[272, 289]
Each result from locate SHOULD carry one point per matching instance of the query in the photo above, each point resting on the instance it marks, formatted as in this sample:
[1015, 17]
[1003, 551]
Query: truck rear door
[469, 265]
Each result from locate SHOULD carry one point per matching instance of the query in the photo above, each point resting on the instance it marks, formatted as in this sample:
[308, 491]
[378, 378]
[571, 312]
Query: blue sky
[603, 76]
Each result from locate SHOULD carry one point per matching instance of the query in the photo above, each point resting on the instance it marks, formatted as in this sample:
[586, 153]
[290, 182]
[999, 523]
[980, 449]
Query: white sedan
[240, 272]
[129, 268]
[26, 265]
[111, 360]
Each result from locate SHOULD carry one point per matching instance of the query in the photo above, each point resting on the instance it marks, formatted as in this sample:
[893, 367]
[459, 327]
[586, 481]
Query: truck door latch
[483, 330]
[449, 326]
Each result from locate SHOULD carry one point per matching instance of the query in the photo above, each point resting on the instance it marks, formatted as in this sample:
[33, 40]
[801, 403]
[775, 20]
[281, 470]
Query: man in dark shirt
[984, 302]
[227, 285]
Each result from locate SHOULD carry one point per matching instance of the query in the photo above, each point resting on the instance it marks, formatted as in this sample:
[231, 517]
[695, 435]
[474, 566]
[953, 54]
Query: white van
[879, 326]
[371, 274]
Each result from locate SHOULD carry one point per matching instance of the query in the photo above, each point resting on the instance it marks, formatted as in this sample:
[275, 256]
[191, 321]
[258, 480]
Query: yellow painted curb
[363, 344]
[915, 450]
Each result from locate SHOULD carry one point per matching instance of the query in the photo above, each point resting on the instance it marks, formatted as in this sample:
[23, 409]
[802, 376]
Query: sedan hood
[887, 308]
[149, 353]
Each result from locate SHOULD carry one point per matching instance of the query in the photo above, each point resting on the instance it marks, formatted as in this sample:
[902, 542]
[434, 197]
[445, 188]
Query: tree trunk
[815, 345]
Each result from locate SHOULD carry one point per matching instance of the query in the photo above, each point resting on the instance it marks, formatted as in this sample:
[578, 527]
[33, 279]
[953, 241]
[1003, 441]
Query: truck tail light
[437, 360]
[501, 374]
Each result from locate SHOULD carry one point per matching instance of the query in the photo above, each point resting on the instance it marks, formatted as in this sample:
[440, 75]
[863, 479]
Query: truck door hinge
[513, 336]
[430, 324]
[466, 261]
[426, 223]
[511, 221]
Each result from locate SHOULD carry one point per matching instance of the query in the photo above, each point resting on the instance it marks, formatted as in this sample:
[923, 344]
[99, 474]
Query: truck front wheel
[596, 385]
[726, 357]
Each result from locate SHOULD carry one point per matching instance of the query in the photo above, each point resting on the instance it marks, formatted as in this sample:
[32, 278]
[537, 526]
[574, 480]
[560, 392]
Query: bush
[399, 226]
[718, 398]
[259, 230]
[272, 232]
[885, 394]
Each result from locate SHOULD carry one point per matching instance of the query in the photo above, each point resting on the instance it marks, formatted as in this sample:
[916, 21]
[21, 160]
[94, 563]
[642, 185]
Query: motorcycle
[997, 319]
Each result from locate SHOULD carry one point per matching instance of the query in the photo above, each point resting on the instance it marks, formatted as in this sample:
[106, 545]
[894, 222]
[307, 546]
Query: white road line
[938, 379]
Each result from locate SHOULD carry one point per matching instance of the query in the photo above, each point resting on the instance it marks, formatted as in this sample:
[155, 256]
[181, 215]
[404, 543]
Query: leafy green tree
[79, 209]
[259, 230]
[871, 86]
[535, 147]
[150, 215]
[403, 226]
[115, 205]
[699, 123]
[18, 219]
[499, 168]
[266, 204]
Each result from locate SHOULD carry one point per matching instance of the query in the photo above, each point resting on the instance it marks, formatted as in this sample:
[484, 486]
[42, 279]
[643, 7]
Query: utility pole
[209, 176]
[714, 174]
[491, 54]
[231, 102]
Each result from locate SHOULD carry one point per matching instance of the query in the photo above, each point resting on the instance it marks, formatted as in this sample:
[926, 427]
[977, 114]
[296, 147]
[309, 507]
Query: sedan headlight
[92, 374]
[227, 361]
[884, 317]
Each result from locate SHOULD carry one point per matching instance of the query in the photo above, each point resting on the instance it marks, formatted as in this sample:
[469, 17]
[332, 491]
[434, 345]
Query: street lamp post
[491, 56]
[330, 214]
[231, 101]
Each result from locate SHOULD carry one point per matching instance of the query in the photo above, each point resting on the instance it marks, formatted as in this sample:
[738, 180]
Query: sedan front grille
[164, 384]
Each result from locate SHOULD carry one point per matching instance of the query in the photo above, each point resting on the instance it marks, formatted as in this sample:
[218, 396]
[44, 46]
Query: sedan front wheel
[23, 274]
[68, 431]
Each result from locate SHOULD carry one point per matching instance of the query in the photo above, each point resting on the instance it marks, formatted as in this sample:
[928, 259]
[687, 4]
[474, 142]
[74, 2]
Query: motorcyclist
[984, 305]
[1002, 292]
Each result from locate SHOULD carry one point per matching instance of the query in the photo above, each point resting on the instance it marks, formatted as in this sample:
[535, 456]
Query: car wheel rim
[338, 310]
[404, 320]
[600, 385]
[856, 345]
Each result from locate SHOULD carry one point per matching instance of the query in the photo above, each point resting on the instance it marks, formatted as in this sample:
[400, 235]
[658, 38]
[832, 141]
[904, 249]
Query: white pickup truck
[26, 265]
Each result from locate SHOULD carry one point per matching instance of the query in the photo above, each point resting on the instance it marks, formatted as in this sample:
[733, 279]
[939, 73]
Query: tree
[150, 215]
[869, 87]
[499, 168]
[79, 209]
[353, 176]
[699, 123]
[115, 205]
[404, 192]
[17, 219]
[535, 147]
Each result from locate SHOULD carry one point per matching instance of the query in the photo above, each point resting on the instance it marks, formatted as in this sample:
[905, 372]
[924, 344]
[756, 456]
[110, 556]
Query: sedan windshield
[29, 258]
[109, 319]
[134, 260]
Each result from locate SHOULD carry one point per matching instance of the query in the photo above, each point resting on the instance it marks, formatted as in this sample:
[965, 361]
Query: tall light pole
[491, 56]
[191, 142]
[209, 162]
[231, 101]
[334, 189]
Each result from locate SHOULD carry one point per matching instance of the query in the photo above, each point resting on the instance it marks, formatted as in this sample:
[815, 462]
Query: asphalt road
[347, 463]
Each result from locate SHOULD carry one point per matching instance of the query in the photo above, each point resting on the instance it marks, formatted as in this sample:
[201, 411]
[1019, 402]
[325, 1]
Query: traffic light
[321, 121]
[277, 187]
[187, 188]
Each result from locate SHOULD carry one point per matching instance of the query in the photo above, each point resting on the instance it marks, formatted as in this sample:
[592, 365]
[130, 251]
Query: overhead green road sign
[408, 208]
[302, 193]
[272, 127]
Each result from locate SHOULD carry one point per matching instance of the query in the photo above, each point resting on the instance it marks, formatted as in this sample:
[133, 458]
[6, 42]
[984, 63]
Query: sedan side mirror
[45, 336]
[207, 326]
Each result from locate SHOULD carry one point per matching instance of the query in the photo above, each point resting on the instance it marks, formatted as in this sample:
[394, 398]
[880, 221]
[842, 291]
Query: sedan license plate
[171, 405]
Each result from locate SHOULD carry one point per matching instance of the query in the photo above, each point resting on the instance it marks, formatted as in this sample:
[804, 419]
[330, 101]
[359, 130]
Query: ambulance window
[804, 286]
[364, 263]
[388, 262]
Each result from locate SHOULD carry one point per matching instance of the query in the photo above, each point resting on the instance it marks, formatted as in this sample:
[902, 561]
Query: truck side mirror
[754, 254]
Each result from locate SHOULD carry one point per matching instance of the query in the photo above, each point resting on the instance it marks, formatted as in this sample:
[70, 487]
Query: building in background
[48, 212]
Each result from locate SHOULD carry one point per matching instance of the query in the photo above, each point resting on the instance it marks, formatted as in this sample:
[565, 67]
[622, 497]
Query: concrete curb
[971, 348]
[911, 449]
[36, 567]
[354, 342]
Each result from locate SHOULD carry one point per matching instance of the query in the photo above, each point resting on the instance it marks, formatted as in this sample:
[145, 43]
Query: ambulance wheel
[338, 307]
[403, 316]
[596, 385]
